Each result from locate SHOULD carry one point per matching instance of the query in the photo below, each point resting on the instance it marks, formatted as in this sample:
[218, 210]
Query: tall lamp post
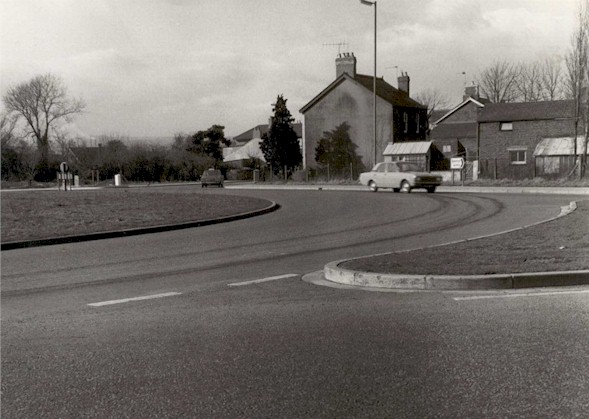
[373, 3]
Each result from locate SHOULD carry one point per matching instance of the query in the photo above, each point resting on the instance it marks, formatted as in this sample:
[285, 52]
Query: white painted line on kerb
[257, 281]
[126, 300]
[524, 294]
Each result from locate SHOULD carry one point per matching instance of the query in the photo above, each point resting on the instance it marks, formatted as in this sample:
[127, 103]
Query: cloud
[162, 66]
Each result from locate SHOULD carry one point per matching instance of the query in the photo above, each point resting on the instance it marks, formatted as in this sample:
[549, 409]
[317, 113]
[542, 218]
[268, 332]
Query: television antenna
[339, 46]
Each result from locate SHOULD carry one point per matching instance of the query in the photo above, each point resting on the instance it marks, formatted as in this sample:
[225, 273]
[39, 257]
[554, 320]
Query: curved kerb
[136, 231]
[334, 273]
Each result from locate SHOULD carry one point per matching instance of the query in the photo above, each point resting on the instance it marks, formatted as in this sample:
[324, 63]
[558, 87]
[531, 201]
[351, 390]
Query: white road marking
[126, 300]
[524, 294]
[257, 281]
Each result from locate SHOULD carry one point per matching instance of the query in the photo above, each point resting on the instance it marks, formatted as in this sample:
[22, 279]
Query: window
[406, 122]
[417, 123]
[506, 126]
[517, 156]
[447, 149]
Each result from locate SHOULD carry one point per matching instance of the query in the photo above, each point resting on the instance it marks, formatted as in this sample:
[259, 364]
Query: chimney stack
[345, 63]
[471, 91]
[403, 82]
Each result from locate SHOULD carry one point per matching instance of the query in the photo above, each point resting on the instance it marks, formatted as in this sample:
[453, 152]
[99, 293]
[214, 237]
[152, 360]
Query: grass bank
[42, 214]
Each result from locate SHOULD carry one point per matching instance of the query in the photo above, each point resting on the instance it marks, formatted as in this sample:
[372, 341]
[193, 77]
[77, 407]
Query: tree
[577, 77]
[337, 151]
[208, 143]
[498, 82]
[434, 99]
[43, 103]
[114, 154]
[550, 79]
[10, 165]
[528, 83]
[281, 144]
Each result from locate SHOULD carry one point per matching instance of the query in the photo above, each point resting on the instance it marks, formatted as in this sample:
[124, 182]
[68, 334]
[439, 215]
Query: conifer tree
[281, 145]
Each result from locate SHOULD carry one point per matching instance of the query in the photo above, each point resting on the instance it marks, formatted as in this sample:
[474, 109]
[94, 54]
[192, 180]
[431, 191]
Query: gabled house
[247, 144]
[454, 131]
[349, 98]
[509, 133]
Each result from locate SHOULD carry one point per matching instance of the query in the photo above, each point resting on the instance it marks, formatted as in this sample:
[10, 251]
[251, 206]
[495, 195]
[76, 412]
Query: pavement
[334, 275]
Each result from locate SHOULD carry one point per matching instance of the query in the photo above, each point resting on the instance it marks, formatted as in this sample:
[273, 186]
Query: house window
[517, 156]
[417, 123]
[447, 149]
[406, 122]
[506, 126]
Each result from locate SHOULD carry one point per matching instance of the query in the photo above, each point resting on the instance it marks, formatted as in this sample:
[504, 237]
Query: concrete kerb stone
[334, 273]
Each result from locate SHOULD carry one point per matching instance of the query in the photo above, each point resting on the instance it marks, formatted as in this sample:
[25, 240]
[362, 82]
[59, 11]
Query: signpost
[457, 163]
[64, 176]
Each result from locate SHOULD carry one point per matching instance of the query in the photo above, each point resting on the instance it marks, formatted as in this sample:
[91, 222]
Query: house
[247, 144]
[454, 131]
[509, 133]
[349, 98]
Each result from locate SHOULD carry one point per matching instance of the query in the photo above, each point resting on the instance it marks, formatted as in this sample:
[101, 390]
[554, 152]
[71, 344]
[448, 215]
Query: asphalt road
[236, 333]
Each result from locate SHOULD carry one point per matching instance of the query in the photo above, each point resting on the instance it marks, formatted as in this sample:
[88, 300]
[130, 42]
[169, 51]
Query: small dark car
[211, 177]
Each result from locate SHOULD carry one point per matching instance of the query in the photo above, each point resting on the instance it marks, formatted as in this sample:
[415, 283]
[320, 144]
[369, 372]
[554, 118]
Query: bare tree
[434, 99]
[528, 83]
[64, 143]
[42, 102]
[7, 126]
[577, 76]
[498, 82]
[551, 79]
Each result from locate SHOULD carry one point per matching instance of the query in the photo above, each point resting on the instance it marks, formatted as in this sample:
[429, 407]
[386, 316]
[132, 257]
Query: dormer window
[506, 126]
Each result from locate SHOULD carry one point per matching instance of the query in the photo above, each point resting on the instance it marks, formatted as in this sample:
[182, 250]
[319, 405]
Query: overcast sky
[159, 67]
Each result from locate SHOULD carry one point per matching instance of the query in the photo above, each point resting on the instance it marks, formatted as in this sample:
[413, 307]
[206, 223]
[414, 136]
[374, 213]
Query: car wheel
[431, 189]
[405, 187]
[372, 186]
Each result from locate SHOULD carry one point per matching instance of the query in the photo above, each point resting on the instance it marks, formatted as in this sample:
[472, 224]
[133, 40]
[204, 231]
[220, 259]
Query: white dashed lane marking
[127, 300]
[257, 281]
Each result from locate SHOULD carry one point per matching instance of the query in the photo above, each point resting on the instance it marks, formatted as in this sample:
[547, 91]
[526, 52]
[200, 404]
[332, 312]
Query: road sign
[456, 163]
[64, 168]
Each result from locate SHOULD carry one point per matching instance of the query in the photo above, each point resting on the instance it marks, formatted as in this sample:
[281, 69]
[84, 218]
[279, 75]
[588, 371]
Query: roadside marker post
[457, 163]
[64, 176]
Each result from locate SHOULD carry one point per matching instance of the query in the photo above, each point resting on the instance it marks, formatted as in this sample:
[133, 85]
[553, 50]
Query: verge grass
[31, 215]
[558, 245]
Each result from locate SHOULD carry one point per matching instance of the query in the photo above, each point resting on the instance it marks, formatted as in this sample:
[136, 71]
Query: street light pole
[373, 3]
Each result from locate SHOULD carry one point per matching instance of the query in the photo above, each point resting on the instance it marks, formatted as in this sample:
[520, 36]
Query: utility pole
[373, 3]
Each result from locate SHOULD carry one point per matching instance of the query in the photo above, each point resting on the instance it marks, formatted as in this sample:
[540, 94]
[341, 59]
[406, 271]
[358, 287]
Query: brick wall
[495, 145]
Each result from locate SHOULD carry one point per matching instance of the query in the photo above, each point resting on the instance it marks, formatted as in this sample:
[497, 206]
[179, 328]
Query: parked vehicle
[400, 176]
[211, 177]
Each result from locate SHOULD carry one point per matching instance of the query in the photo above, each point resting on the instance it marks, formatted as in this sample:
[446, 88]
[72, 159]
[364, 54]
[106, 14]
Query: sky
[155, 68]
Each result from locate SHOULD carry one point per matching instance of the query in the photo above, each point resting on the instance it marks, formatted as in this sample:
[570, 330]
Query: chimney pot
[345, 63]
[403, 82]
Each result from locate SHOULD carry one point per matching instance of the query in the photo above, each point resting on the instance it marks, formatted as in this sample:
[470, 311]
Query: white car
[400, 176]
